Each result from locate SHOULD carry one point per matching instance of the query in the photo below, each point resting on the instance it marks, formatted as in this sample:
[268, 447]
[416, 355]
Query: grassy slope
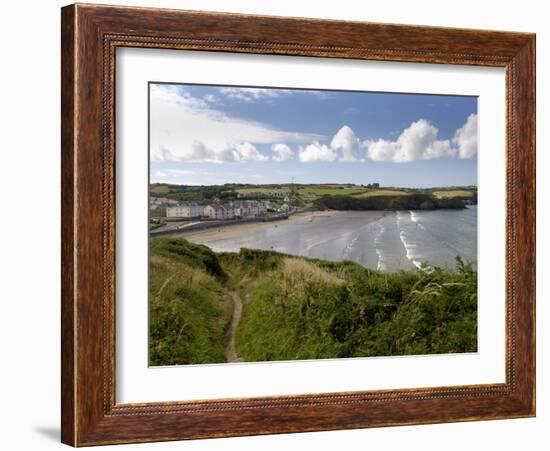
[317, 191]
[263, 189]
[306, 309]
[298, 308]
[160, 189]
[453, 193]
[189, 310]
[305, 191]
[383, 192]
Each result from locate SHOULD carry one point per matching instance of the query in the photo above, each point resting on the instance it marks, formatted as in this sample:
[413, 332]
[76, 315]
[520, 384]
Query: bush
[311, 309]
[195, 255]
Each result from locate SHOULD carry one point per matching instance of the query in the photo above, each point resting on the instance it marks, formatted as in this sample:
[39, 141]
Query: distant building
[157, 200]
[158, 206]
[241, 209]
[218, 211]
[157, 210]
[229, 211]
[214, 211]
[284, 208]
[249, 208]
[185, 211]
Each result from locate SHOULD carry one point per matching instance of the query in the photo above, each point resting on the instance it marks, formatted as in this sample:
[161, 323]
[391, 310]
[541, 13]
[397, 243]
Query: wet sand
[328, 235]
[234, 230]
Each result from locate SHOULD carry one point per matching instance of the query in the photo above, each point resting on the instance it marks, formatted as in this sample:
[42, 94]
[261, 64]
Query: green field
[318, 191]
[453, 193]
[265, 189]
[300, 195]
[305, 191]
[383, 192]
[312, 192]
[299, 308]
[159, 189]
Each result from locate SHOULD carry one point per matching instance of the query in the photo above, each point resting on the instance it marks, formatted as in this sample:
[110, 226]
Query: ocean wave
[414, 218]
[410, 252]
[380, 266]
[349, 247]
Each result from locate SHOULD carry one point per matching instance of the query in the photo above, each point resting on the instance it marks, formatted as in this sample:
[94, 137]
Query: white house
[185, 211]
[249, 208]
[229, 211]
[262, 209]
[242, 209]
[217, 211]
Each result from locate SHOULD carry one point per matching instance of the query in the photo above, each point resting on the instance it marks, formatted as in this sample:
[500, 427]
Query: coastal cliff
[410, 202]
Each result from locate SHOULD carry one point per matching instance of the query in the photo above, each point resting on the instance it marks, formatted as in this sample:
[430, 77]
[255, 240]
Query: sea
[386, 241]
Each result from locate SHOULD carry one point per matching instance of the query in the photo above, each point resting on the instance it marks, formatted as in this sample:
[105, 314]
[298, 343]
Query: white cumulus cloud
[465, 138]
[316, 152]
[282, 151]
[200, 152]
[187, 128]
[417, 142]
[346, 142]
[248, 152]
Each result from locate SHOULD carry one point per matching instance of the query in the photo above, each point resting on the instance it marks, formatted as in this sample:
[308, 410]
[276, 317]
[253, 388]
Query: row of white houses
[239, 209]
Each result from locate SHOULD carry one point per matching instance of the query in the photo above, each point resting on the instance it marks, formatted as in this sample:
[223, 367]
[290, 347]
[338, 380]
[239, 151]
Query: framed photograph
[279, 225]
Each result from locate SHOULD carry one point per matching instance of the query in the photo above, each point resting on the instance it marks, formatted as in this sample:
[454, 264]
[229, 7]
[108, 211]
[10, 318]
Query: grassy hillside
[264, 189]
[453, 193]
[382, 192]
[299, 308]
[315, 191]
[309, 309]
[301, 193]
[189, 309]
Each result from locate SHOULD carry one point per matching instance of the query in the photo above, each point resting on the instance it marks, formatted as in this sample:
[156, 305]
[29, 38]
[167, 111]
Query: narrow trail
[230, 348]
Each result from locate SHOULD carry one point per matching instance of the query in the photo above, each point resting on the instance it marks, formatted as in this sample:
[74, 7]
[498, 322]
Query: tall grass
[188, 308]
[315, 309]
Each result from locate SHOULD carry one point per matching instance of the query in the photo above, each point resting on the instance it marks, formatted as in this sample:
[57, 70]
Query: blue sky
[218, 134]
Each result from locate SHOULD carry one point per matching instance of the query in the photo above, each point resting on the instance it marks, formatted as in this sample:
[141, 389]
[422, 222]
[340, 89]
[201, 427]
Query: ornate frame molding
[90, 36]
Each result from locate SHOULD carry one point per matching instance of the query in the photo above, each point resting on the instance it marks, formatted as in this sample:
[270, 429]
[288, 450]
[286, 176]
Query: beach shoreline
[229, 231]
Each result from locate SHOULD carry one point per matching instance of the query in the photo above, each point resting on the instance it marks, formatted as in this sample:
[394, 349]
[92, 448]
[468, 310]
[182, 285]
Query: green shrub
[195, 255]
[350, 311]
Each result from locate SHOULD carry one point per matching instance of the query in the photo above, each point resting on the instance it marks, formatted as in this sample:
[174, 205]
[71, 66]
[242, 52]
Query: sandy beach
[233, 230]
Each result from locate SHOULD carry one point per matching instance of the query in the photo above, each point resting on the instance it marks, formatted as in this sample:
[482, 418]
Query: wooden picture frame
[90, 36]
